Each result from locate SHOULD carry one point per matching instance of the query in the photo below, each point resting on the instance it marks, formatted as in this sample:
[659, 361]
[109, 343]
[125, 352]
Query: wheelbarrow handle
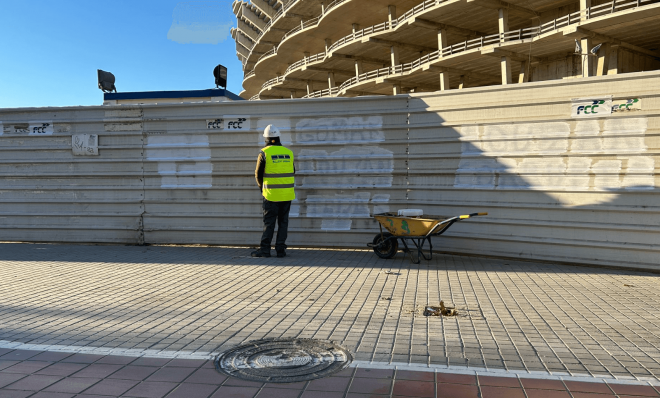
[472, 215]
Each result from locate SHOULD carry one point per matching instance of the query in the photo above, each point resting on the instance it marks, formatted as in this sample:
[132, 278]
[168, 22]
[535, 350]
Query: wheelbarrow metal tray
[410, 226]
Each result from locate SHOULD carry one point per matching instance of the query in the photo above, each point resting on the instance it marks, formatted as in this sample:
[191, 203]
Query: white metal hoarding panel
[48, 194]
[556, 187]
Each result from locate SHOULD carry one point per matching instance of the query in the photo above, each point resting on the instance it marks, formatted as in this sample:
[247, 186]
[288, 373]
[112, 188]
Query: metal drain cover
[283, 360]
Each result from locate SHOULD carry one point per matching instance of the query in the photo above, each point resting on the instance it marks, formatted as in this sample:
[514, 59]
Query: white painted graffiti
[184, 161]
[359, 159]
[353, 130]
[357, 162]
[533, 163]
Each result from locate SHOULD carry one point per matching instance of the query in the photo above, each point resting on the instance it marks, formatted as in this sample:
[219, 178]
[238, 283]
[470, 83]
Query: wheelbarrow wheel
[387, 249]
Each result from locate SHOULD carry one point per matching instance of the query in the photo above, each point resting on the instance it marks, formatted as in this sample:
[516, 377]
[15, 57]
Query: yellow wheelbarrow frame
[418, 230]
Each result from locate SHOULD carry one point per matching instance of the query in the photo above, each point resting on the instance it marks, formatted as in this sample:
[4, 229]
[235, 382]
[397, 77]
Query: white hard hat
[271, 131]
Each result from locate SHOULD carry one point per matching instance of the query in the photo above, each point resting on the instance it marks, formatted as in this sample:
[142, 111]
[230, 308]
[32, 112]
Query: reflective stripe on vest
[278, 175]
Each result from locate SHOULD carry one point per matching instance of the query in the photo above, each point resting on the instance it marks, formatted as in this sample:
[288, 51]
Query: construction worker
[274, 175]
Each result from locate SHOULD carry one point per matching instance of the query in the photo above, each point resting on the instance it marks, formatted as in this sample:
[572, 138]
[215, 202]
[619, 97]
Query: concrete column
[442, 39]
[523, 76]
[613, 60]
[331, 79]
[396, 89]
[358, 68]
[505, 66]
[505, 62]
[394, 55]
[601, 66]
[310, 89]
[328, 43]
[503, 18]
[442, 43]
[444, 81]
[391, 14]
[587, 60]
[461, 83]
[584, 9]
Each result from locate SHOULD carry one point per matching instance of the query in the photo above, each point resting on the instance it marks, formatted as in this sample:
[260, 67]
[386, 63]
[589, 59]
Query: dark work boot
[281, 254]
[259, 253]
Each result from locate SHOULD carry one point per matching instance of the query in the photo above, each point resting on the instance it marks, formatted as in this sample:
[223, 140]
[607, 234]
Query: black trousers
[275, 211]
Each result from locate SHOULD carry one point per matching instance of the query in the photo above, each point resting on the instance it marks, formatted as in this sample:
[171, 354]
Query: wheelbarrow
[410, 228]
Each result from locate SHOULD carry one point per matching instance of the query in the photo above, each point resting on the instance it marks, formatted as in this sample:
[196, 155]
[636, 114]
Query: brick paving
[535, 320]
[199, 379]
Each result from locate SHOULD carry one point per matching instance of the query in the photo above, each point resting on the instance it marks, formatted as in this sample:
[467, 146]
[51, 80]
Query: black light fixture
[220, 73]
[593, 51]
[106, 81]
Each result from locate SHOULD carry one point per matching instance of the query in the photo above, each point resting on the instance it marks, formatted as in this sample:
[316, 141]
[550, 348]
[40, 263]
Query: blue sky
[52, 49]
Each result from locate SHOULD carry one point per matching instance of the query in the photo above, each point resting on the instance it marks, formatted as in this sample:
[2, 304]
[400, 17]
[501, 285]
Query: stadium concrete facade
[348, 48]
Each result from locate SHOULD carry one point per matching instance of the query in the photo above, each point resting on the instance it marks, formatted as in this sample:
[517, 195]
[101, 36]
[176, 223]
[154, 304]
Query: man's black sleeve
[259, 171]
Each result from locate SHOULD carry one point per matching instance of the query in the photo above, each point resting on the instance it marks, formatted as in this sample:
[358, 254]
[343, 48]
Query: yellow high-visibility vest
[278, 174]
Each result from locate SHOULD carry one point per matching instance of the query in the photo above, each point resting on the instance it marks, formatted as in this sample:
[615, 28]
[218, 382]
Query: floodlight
[106, 81]
[220, 73]
[578, 47]
[594, 50]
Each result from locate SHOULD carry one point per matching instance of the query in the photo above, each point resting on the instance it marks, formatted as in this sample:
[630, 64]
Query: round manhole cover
[283, 360]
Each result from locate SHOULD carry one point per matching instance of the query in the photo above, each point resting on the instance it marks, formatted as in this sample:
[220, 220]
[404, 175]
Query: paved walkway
[522, 319]
[61, 375]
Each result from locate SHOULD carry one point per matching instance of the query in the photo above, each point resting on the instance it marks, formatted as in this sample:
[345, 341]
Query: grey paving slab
[513, 315]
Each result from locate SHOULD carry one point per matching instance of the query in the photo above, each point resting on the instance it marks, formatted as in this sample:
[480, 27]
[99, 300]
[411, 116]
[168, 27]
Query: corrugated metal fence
[580, 189]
